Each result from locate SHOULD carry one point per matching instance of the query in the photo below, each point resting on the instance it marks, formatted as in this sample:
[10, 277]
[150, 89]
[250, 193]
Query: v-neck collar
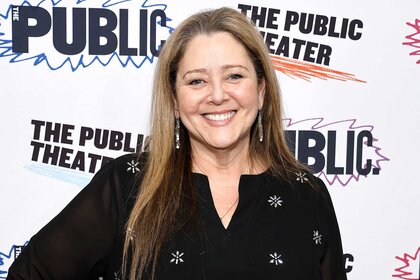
[248, 189]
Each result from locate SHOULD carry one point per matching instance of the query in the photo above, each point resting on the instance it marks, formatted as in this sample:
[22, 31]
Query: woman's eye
[195, 82]
[235, 76]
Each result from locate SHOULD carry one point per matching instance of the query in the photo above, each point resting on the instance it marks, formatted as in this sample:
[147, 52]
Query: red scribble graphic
[414, 42]
[410, 264]
[307, 71]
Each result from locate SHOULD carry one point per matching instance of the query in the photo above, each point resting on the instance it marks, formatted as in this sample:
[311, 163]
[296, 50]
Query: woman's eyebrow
[198, 70]
[228, 66]
[224, 67]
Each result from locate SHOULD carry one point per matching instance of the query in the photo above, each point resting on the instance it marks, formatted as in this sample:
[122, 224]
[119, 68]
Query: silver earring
[260, 127]
[130, 234]
[177, 143]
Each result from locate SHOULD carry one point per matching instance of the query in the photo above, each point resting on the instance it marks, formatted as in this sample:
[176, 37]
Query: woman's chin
[224, 144]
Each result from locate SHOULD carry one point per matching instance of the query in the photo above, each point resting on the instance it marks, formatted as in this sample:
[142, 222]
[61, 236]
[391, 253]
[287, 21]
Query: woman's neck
[224, 162]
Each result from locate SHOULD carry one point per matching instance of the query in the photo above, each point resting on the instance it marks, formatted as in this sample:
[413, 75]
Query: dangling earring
[260, 127]
[177, 143]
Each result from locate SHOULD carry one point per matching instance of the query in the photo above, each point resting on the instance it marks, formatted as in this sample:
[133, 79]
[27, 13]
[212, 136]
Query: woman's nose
[218, 93]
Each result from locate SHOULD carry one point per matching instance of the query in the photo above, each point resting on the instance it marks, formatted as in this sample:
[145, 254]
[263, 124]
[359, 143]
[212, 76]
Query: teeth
[219, 117]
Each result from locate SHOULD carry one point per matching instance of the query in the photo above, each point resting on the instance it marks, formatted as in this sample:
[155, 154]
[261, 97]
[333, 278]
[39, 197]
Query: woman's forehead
[219, 49]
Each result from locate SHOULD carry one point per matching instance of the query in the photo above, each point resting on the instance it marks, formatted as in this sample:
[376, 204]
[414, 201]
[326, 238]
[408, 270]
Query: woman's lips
[219, 116]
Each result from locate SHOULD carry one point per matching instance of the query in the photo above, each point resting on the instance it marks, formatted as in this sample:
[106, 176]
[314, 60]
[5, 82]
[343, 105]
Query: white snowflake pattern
[275, 201]
[301, 177]
[177, 257]
[317, 237]
[132, 166]
[275, 258]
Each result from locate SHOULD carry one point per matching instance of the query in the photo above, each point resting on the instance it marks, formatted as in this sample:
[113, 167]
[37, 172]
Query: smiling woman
[218, 196]
[218, 94]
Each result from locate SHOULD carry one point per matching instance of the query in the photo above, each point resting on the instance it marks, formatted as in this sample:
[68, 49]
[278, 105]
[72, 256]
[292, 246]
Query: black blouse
[278, 231]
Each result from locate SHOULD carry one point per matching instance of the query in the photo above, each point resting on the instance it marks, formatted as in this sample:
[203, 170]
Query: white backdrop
[360, 101]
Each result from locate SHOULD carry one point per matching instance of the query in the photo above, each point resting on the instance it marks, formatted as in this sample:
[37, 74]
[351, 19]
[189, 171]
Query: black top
[278, 231]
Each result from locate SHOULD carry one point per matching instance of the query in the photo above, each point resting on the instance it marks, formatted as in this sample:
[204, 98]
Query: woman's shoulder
[132, 163]
[120, 177]
[123, 169]
[303, 184]
[313, 189]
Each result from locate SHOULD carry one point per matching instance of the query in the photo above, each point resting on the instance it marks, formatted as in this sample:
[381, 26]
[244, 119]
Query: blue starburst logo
[7, 258]
[81, 33]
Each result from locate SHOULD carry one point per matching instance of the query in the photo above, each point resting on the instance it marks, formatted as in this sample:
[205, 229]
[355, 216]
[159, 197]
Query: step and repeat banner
[75, 78]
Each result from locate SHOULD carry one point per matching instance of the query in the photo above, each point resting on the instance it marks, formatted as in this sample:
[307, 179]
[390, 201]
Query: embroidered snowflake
[276, 258]
[177, 257]
[275, 201]
[317, 237]
[132, 166]
[301, 177]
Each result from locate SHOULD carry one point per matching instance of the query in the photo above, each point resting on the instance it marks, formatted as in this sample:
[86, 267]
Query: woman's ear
[176, 111]
[261, 93]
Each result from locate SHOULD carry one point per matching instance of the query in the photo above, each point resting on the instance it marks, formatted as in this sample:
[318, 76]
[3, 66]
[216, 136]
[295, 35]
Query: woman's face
[217, 92]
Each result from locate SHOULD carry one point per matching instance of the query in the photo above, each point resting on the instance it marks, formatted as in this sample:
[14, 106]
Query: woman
[219, 195]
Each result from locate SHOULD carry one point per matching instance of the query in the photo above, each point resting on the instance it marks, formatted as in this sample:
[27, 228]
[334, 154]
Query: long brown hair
[166, 189]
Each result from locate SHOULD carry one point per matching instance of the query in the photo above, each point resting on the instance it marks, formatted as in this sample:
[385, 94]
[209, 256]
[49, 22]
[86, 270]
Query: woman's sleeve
[332, 266]
[79, 238]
